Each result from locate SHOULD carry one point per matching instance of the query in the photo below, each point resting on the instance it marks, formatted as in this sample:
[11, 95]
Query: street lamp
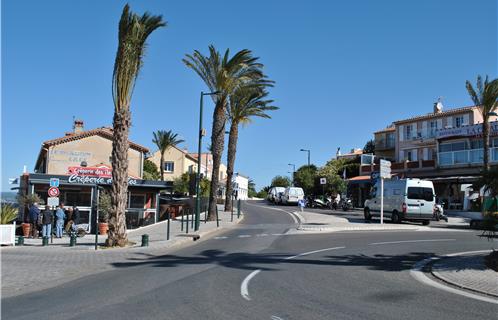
[309, 151]
[293, 171]
[198, 177]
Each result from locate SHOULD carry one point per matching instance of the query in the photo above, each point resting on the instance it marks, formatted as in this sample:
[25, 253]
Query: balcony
[384, 144]
[398, 167]
[463, 157]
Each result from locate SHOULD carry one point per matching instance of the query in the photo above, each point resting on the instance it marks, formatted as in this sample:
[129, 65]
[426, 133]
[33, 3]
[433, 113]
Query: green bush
[7, 214]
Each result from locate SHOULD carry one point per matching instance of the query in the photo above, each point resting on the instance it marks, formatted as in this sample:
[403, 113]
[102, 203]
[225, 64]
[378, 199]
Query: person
[59, 222]
[76, 215]
[47, 220]
[34, 212]
[69, 217]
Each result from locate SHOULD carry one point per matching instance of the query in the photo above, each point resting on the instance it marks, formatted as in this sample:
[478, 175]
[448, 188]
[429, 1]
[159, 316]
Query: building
[442, 146]
[353, 154]
[80, 163]
[240, 185]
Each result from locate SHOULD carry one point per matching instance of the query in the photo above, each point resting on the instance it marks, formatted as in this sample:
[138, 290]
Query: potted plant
[26, 201]
[8, 214]
[104, 211]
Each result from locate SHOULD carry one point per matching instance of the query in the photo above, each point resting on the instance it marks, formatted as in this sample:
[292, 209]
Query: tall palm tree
[485, 98]
[223, 75]
[245, 103]
[163, 140]
[133, 32]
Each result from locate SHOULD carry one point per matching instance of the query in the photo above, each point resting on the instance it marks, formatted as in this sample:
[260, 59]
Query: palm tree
[246, 102]
[223, 75]
[133, 32]
[485, 98]
[163, 140]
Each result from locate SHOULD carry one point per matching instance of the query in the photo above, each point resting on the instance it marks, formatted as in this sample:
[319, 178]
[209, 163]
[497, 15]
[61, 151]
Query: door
[413, 198]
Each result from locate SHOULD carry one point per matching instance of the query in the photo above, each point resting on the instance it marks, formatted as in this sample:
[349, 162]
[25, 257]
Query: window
[408, 132]
[420, 193]
[476, 144]
[458, 121]
[191, 169]
[169, 166]
[455, 146]
[137, 201]
[432, 128]
[408, 155]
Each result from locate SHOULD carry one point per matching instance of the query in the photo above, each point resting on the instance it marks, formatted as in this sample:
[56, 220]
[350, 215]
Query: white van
[292, 195]
[273, 193]
[404, 199]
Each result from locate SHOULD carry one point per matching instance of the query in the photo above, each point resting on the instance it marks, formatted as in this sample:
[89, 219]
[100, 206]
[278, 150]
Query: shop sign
[467, 131]
[76, 178]
[103, 172]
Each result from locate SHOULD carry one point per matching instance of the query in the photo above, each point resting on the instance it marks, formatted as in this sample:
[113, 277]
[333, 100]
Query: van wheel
[367, 214]
[425, 222]
[395, 218]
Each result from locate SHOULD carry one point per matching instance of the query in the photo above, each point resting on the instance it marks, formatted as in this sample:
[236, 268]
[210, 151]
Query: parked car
[273, 193]
[404, 199]
[292, 195]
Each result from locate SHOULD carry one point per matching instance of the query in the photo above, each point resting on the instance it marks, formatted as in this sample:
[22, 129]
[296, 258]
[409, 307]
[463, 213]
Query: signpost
[323, 182]
[54, 182]
[53, 201]
[53, 192]
[385, 173]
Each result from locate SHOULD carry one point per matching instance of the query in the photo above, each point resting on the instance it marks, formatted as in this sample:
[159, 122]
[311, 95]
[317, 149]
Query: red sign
[53, 192]
[102, 172]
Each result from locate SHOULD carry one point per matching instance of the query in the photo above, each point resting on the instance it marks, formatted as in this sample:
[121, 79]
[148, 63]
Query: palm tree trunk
[232, 150]
[485, 131]
[117, 223]
[161, 165]
[217, 144]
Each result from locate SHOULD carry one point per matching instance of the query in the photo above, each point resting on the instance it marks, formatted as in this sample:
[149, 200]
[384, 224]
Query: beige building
[385, 143]
[87, 149]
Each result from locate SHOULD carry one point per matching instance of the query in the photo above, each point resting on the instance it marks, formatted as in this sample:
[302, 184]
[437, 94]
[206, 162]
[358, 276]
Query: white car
[292, 195]
[404, 199]
[273, 194]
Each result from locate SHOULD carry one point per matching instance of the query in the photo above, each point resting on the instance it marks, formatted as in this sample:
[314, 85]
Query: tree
[222, 75]
[184, 183]
[485, 98]
[369, 147]
[305, 178]
[133, 33]
[163, 140]
[251, 189]
[280, 181]
[246, 102]
[151, 172]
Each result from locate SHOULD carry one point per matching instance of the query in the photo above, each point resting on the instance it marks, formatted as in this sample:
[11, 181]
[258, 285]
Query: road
[346, 275]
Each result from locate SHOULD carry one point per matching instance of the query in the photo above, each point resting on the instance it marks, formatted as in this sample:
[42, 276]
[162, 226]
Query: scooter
[347, 204]
[439, 213]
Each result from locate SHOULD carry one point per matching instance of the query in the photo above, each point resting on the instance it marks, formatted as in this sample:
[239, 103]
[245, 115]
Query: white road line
[276, 318]
[262, 235]
[244, 286]
[418, 273]
[219, 238]
[244, 236]
[410, 241]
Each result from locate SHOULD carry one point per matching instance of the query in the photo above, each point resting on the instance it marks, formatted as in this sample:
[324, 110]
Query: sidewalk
[33, 267]
[469, 272]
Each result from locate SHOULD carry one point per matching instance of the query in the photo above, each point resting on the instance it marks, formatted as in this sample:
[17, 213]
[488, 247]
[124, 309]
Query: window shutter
[449, 122]
[401, 133]
[466, 119]
[424, 129]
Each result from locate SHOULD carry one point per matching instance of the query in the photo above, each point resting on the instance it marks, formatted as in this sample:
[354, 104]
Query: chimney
[78, 126]
[438, 106]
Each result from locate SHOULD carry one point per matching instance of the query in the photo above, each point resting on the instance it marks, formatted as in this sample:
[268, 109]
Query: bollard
[217, 220]
[20, 241]
[72, 240]
[206, 214]
[169, 218]
[238, 208]
[45, 241]
[186, 225]
[145, 240]
[192, 223]
[183, 211]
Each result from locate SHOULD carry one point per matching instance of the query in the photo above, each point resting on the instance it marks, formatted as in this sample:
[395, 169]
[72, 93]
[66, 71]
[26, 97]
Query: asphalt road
[348, 275]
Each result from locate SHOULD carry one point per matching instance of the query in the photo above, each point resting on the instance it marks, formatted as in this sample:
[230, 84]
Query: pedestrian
[47, 220]
[69, 217]
[76, 215]
[34, 213]
[59, 222]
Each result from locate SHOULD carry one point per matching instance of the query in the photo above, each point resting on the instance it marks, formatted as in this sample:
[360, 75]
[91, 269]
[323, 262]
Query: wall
[93, 150]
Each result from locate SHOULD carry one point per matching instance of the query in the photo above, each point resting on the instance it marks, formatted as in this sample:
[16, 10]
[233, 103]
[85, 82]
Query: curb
[440, 277]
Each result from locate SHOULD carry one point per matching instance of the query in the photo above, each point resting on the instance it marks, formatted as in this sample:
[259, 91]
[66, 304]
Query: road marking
[410, 241]
[244, 236]
[218, 238]
[418, 273]
[262, 235]
[276, 318]
[244, 286]
[278, 209]
[278, 234]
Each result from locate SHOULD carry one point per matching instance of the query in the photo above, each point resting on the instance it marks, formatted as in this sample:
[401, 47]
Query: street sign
[54, 182]
[385, 169]
[53, 192]
[323, 180]
[367, 159]
[53, 201]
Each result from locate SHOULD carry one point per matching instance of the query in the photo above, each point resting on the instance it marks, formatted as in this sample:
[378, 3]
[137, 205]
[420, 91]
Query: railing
[382, 144]
[472, 156]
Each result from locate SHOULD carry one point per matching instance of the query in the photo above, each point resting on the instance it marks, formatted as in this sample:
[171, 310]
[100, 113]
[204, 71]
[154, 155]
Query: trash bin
[145, 240]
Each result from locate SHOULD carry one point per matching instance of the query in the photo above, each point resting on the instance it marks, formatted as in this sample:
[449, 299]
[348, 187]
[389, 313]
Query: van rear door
[413, 195]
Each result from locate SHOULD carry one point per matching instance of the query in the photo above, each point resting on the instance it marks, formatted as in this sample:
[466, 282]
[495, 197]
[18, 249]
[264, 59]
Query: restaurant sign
[467, 131]
[93, 175]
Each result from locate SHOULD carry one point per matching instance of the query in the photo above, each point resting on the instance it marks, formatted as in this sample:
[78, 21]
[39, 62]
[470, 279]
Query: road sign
[385, 169]
[323, 180]
[53, 192]
[367, 159]
[53, 201]
[54, 182]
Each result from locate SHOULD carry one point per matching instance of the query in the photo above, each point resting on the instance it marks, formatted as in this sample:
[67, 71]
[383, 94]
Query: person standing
[76, 215]
[47, 220]
[34, 212]
[59, 222]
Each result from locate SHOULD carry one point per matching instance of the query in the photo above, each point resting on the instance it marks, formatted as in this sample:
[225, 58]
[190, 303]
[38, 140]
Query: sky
[343, 69]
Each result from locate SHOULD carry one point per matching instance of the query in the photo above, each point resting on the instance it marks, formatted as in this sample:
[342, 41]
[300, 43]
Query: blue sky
[343, 69]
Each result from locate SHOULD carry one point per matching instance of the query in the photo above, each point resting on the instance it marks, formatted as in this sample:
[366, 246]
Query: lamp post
[198, 176]
[309, 151]
[293, 171]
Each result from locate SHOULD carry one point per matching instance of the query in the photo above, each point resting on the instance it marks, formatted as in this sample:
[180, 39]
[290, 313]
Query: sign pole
[381, 200]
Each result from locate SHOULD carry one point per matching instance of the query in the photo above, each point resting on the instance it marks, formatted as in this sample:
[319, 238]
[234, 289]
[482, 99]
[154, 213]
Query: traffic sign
[385, 169]
[323, 180]
[53, 192]
[53, 201]
[54, 182]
